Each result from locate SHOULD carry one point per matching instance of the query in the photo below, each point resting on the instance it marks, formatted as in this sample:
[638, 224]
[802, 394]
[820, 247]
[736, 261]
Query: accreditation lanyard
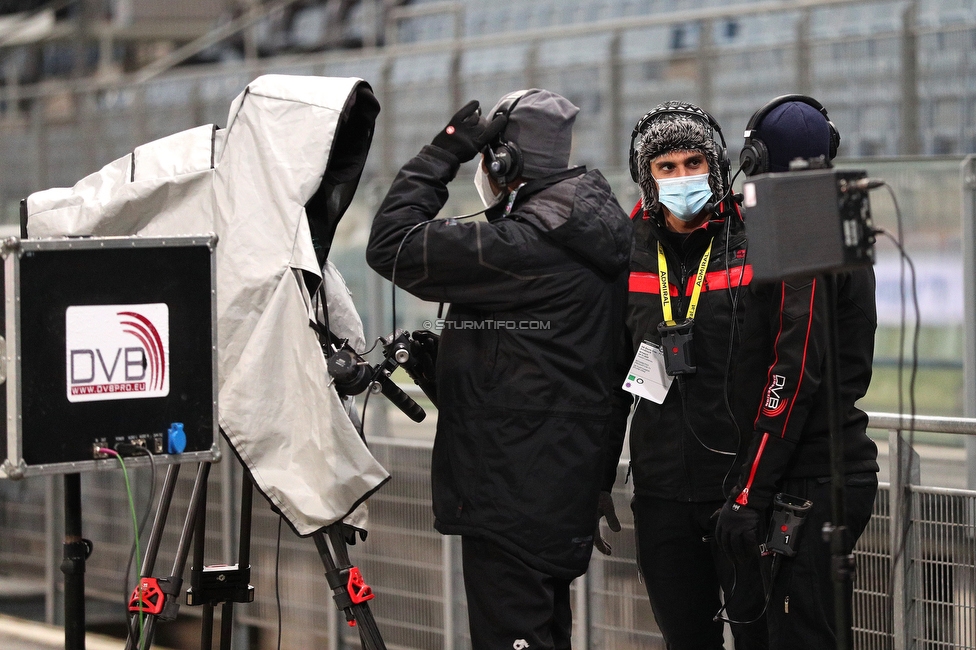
[662, 275]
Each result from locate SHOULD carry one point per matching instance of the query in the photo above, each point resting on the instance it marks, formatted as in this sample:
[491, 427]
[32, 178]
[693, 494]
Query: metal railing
[915, 586]
[931, 545]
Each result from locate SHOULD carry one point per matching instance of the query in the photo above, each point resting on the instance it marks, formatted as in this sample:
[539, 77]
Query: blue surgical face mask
[684, 196]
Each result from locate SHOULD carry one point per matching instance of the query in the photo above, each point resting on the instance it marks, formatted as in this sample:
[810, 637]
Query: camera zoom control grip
[400, 399]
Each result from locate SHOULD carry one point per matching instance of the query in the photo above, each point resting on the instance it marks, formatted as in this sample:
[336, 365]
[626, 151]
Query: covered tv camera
[810, 220]
[272, 185]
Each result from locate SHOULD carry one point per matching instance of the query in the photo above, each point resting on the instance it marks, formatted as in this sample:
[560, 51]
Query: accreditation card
[647, 377]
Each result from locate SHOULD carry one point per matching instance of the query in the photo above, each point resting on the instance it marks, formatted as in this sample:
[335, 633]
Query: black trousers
[801, 606]
[510, 604]
[685, 571]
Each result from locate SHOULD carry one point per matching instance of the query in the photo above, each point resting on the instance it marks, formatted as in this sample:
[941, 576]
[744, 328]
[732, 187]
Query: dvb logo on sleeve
[117, 352]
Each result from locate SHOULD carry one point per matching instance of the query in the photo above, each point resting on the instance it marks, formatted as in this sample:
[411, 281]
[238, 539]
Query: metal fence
[923, 598]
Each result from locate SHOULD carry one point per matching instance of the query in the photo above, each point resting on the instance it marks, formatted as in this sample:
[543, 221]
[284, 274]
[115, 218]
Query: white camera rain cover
[249, 183]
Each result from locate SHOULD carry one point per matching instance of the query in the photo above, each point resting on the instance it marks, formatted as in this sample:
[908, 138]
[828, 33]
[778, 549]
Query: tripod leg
[159, 522]
[73, 566]
[226, 624]
[196, 568]
[152, 547]
[342, 575]
[369, 633]
[168, 589]
[243, 560]
[206, 627]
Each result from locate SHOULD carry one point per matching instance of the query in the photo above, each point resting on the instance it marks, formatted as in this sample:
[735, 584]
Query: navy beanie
[794, 130]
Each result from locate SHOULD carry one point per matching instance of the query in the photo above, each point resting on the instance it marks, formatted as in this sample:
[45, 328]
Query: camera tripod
[156, 599]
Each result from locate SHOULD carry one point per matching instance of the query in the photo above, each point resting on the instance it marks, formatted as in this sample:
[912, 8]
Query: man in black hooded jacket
[526, 360]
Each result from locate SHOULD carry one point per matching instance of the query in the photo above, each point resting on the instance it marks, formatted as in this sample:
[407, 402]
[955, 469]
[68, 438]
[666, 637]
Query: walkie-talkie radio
[676, 339]
[788, 515]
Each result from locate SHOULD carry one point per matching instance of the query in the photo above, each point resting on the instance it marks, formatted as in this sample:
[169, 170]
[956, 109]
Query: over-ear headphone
[680, 108]
[504, 157]
[754, 157]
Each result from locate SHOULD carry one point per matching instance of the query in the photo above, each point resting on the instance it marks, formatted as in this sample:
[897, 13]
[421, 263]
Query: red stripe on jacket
[738, 276]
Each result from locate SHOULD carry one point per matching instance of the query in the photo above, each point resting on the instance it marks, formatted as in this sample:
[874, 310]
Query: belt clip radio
[788, 515]
[676, 339]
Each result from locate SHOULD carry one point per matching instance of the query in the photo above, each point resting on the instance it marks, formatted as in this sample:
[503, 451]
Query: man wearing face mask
[525, 367]
[687, 270]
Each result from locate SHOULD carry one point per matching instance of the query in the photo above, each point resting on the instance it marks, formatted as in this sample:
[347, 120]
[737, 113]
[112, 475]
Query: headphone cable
[396, 257]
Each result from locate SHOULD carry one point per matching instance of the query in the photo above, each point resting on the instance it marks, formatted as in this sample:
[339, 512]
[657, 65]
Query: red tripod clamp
[147, 597]
[359, 591]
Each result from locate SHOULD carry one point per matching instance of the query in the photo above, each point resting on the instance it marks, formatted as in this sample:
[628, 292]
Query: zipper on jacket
[682, 285]
[743, 498]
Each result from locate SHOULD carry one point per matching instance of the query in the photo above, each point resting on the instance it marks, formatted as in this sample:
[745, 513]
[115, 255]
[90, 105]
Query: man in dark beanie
[790, 131]
[783, 401]
[525, 366]
[687, 272]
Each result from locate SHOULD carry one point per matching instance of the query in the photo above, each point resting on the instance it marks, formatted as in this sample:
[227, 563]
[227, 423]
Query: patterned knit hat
[675, 132]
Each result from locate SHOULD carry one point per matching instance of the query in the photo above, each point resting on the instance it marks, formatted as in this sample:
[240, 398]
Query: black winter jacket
[781, 371]
[525, 366]
[674, 446]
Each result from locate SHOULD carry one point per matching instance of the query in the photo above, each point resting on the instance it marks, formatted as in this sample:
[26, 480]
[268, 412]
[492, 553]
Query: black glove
[606, 511]
[467, 133]
[737, 531]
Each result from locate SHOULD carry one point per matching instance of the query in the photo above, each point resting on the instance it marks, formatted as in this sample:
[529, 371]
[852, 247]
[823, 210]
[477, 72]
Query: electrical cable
[681, 381]
[734, 301]
[135, 525]
[145, 515]
[369, 391]
[393, 287]
[396, 257]
[277, 590]
[684, 413]
[319, 299]
[728, 190]
[905, 259]
[774, 570]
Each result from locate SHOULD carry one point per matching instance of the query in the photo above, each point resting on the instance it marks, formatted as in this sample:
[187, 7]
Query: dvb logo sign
[117, 352]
